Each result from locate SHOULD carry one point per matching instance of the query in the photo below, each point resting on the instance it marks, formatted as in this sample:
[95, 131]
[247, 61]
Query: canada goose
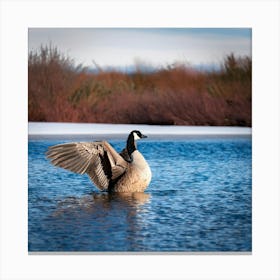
[108, 170]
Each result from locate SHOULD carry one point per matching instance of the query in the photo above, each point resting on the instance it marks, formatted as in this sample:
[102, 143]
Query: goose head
[131, 140]
[137, 135]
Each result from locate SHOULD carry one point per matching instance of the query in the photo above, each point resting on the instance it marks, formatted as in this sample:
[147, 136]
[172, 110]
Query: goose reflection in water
[97, 202]
[101, 221]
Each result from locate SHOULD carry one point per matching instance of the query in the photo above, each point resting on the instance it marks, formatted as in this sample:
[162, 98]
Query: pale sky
[122, 47]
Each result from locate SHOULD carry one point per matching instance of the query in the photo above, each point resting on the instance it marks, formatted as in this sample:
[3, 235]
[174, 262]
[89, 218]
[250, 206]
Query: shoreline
[39, 130]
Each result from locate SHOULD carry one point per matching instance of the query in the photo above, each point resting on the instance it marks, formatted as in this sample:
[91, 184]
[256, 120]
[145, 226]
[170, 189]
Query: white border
[262, 16]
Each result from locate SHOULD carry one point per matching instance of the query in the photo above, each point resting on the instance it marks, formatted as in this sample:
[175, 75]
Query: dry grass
[59, 91]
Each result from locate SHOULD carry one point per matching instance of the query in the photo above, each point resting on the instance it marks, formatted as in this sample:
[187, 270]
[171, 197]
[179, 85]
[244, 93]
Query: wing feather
[98, 159]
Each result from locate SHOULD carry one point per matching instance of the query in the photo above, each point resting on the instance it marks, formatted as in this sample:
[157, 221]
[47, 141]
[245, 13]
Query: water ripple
[199, 200]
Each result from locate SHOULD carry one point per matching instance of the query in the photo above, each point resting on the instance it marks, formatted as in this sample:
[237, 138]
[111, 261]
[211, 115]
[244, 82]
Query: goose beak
[144, 136]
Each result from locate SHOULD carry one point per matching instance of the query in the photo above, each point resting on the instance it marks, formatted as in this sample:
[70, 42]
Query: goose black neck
[131, 144]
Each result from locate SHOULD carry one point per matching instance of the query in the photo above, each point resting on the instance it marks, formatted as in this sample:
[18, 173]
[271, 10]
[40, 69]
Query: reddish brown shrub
[60, 92]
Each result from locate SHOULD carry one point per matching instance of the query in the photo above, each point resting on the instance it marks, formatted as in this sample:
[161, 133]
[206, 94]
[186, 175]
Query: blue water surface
[199, 200]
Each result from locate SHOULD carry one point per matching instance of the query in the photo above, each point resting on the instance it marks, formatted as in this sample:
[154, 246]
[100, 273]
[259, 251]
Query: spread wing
[98, 159]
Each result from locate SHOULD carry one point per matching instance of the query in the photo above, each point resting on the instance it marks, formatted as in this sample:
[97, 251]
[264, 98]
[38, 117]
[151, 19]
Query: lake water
[199, 200]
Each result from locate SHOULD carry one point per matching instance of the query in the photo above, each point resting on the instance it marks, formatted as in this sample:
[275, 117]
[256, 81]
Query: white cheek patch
[136, 137]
